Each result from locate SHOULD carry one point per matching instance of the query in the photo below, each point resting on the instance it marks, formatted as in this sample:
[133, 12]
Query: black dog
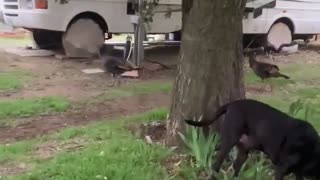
[291, 144]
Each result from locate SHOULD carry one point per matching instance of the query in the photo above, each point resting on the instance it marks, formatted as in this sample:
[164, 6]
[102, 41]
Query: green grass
[15, 151]
[252, 79]
[112, 153]
[300, 74]
[138, 89]
[120, 37]
[12, 80]
[14, 42]
[30, 107]
[282, 101]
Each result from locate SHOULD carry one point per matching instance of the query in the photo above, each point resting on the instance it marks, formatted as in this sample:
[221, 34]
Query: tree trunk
[210, 64]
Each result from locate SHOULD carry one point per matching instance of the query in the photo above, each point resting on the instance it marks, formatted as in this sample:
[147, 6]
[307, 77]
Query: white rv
[50, 21]
[281, 21]
[278, 21]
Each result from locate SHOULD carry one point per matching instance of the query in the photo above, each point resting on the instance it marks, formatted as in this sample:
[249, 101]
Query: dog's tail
[221, 110]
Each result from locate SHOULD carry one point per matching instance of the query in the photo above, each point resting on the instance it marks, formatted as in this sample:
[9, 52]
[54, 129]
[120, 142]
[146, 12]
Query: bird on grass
[264, 70]
[114, 65]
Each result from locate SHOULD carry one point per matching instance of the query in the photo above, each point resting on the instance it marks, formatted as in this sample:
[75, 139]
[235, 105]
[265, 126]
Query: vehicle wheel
[46, 39]
[279, 33]
[83, 39]
[177, 36]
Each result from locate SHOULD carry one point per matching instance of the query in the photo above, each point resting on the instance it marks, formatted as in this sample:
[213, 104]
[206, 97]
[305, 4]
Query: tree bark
[210, 69]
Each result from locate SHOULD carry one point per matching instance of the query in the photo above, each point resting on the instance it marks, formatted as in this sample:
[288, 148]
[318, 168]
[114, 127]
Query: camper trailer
[52, 23]
[275, 21]
[281, 21]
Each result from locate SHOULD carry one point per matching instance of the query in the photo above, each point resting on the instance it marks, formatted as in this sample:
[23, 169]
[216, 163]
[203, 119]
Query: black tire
[46, 39]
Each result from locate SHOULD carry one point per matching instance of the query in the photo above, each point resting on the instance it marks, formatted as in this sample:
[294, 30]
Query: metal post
[135, 45]
[127, 47]
[140, 36]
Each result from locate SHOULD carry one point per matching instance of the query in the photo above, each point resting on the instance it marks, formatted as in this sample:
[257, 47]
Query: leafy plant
[200, 147]
[256, 168]
[301, 106]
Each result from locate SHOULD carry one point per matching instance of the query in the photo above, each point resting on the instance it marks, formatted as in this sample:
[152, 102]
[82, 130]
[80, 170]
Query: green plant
[257, 168]
[301, 106]
[200, 147]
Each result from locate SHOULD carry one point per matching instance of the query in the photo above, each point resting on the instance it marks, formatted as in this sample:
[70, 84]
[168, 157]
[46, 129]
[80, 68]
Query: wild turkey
[264, 70]
[114, 65]
[269, 49]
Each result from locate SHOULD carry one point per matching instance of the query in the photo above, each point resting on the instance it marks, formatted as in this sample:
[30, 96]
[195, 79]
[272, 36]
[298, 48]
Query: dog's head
[312, 166]
[303, 145]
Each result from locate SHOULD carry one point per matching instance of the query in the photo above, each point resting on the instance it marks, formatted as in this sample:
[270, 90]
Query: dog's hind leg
[299, 176]
[230, 135]
[221, 155]
[241, 158]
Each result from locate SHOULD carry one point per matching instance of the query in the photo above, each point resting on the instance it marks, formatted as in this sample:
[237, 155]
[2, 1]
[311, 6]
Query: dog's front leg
[285, 162]
[280, 172]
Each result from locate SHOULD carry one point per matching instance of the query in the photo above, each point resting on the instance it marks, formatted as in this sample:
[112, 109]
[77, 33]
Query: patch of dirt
[11, 169]
[151, 133]
[36, 126]
[53, 77]
[49, 149]
[258, 89]
[174, 162]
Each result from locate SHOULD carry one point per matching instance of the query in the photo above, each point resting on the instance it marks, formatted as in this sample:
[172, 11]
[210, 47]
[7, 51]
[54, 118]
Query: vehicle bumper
[1, 17]
[32, 19]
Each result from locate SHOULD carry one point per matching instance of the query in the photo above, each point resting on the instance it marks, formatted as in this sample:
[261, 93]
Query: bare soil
[40, 125]
[47, 150]
[11, 169]
[53, 77]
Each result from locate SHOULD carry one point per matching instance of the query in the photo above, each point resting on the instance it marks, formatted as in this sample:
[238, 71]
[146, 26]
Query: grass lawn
[30, 107]
[13, 80]
[109, 151]
[138, 89]
[15, 42]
